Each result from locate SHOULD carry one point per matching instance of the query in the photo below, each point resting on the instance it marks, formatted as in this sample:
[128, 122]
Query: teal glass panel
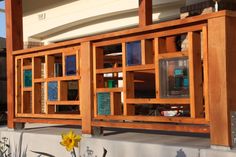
[103, 101]
[27, 78]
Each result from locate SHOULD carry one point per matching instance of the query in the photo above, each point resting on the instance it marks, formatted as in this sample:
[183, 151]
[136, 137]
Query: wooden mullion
[22, 87]
[205, 71]
[112, 102]
[143, 52]
[64, 64]
[46, 83]
[157, 48]
[59, 92]
[128, 84]
[18, 86]
[77, 62]
[33, 90]
[195, 75]
[95, 81]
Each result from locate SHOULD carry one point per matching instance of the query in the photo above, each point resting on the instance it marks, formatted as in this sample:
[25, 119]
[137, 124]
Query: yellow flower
[70, 140]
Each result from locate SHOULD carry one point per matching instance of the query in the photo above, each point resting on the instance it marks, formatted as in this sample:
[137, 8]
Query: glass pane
[52, 91]
[27, 78]
[71, 65]
[174, 77]
[103, 100]
[133, 53]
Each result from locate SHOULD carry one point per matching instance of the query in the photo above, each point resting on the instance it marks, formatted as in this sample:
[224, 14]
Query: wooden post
[14, 33]
[145, 12]
[222, 76]
[86, 87]
[195, 74]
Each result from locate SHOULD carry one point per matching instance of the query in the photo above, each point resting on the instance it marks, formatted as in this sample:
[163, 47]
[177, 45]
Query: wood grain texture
[14, 34]
[218, 91]
[160, 119]
[145, 12]
[195, 75]
[86, 82]
[153, 126]
[48, 121]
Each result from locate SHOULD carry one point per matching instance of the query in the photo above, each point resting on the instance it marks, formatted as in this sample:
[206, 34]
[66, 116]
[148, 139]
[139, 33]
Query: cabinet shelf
[140, 67]
[64, 103]
[174, 101]
[27, 89]
[65, 78]
[99, 90]
[177, 54]
[27, 67]
[108, 70]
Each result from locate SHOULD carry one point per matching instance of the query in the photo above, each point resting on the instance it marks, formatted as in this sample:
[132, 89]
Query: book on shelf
[71, 65]
[52, 91]
[27, 78]
[103, 101]
[133, 53]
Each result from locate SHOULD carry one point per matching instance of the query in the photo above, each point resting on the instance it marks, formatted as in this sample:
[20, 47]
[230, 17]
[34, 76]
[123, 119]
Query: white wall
[67, 19]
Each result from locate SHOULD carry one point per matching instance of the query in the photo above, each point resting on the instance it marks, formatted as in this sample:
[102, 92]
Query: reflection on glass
[52, 91]
[174, 77]
[103, 100]
[133, 53]
[70, 65]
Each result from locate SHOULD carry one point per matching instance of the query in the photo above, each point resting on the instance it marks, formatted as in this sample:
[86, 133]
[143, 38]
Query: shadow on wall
[181, 153]
[32, 6]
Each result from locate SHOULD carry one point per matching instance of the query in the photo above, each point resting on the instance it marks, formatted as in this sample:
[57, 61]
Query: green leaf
[42, 153]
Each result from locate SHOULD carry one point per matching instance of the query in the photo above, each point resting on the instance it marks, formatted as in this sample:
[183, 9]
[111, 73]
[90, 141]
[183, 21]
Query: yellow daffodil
[70, 140]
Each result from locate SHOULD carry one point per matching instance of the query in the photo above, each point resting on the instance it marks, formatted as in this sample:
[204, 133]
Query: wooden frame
[153, 50]
[213, 112]
[35, 63]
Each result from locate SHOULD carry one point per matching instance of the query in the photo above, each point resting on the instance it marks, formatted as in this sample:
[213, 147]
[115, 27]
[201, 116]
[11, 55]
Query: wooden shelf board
[39, 80]
[140, 67]
[173, 55]
[154, 126]
[185, 120]
[64, 78]
[99, 90]
[27, 89]
[63, 102]
[109, 70]
[49, 121]
[60, 116]
[27, 67]
[174, 101]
